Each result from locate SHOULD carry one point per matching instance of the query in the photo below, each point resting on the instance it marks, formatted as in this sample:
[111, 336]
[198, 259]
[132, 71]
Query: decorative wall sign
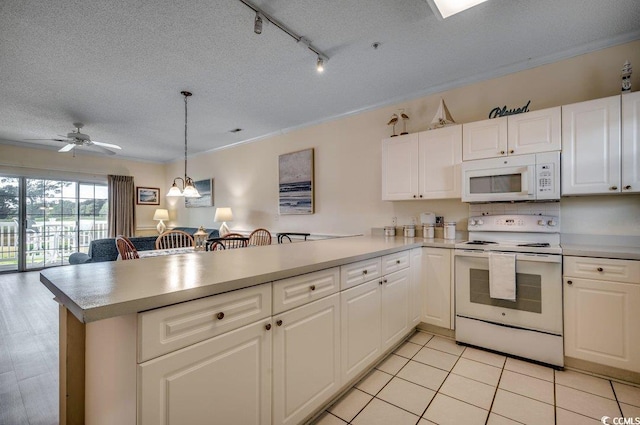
[295, 182]
[205, 188]
[503, 112]
[147, 195]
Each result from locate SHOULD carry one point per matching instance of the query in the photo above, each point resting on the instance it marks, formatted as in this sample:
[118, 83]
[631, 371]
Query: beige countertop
[601, 246]
[96, 291]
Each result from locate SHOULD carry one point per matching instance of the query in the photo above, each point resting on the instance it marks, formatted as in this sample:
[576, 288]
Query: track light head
[257, 24]
[320, 65]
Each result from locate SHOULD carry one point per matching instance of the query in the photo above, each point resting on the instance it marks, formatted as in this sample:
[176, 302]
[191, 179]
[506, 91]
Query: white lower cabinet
[601, 304]
[361, 318]
[225, 380]
[395, 307]
[306, 359]
[437, 299]
[415, 291]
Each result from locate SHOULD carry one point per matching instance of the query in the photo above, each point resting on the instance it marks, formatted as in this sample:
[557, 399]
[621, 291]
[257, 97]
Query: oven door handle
[541, 258]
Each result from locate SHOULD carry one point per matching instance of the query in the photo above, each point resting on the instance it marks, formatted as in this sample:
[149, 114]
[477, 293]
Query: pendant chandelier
[188, 188]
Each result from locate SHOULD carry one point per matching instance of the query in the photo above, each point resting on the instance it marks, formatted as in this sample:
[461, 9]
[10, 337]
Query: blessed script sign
[503, 112]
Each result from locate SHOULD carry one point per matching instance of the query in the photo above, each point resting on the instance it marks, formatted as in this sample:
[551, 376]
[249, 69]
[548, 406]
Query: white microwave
[534, 177]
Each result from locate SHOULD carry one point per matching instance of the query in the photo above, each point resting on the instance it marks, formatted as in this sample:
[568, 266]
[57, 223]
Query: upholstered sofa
[105, 249]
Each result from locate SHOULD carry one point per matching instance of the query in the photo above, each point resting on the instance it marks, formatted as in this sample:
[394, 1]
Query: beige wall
[348, 157]
[49, 163]
[348, 161]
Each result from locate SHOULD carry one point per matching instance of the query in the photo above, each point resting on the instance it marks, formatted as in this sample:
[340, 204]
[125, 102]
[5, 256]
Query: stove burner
[480, 242]
[536, 245]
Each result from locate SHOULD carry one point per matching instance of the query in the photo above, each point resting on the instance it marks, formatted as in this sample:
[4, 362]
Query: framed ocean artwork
[295, 182]
[205, 188]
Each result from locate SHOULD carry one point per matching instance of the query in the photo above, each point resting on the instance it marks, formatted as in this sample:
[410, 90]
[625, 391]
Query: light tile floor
[432, 380]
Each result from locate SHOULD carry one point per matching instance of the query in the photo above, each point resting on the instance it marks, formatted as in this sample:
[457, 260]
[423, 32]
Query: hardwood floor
[28, 351]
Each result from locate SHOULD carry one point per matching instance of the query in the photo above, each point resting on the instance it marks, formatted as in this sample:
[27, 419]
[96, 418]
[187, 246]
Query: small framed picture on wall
[147, 195]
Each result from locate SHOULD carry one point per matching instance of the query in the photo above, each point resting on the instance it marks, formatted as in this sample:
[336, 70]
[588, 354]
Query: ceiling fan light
[257, 24]
[320, 65]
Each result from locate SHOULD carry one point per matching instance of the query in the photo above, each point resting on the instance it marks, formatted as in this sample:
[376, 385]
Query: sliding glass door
[43, 221]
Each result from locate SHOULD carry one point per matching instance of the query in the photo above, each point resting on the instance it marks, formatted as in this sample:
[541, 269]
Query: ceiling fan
[76, 139]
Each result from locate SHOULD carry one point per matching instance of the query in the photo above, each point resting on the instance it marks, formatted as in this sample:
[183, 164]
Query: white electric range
[530, 325]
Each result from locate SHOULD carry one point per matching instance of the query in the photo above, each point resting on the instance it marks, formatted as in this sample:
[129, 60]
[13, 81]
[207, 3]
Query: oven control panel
[515, 223]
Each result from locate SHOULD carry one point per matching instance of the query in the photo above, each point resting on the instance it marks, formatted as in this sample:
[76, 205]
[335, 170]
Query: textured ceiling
[119, 65]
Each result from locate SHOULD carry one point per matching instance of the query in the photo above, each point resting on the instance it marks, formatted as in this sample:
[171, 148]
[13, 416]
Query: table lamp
[223, 215]
[161, 214]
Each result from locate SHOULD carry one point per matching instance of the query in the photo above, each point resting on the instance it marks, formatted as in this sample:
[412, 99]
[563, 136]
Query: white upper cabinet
[519, 134]
[400, 168]
[631, 142]
[423, 165]
[534, 132]
[440, 158]
[484, 139]
[591, 147]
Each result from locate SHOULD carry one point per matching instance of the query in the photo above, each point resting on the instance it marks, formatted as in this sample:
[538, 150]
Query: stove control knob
[541, 223]
[473, 222]
[480, 222]
[551, 223]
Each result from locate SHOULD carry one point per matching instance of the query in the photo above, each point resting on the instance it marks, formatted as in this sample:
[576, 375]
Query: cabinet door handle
[312, 287]
[613, 188]
[364, 271]
[569, 282]
[220, 316]
[279, 322]
[511, 151]
[384, 280]
[600, 269]
[627, 187]
[501, 152]
[268, 326]
[380, 281]
[414, 196]
[397, 261]
[421, 196]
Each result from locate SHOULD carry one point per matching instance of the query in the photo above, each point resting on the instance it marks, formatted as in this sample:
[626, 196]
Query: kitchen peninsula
[117, 318]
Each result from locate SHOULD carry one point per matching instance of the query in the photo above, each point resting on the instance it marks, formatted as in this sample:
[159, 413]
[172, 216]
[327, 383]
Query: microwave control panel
[545, 178]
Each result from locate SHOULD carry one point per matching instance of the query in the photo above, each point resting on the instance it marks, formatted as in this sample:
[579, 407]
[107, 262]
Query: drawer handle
[511, 151]
[397, 261]
[364, 271]
[384, 280]
[312, 287]
[600, 269]
[279, 322]
[268, 326]
[569, 282]
[627, 187]
[220, 316]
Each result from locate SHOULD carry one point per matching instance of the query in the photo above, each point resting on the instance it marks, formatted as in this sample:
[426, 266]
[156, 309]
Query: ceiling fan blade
[103, 150]
[67, 148]
[106, 145]
[55, 140]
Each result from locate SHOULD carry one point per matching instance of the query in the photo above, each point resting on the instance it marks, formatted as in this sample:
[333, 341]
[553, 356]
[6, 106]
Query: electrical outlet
[439, 221]
[394, 221]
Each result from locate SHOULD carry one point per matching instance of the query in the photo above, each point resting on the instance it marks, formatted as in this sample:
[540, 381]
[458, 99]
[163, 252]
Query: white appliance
[531, 325]
[534, 177]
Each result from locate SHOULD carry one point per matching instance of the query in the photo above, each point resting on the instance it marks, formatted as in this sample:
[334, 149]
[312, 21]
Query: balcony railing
[48, 243]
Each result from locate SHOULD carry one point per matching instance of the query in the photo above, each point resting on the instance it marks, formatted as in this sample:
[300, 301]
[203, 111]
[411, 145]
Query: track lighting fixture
[257, 28]
[257, 24]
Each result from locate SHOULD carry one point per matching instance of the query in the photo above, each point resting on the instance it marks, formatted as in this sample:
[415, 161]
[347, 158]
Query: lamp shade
[161, 214]
[223, 214]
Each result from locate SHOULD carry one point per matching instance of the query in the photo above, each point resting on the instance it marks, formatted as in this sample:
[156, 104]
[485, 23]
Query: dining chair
[230, 241]
[260, 237]
[126, 249]
[174, 239]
